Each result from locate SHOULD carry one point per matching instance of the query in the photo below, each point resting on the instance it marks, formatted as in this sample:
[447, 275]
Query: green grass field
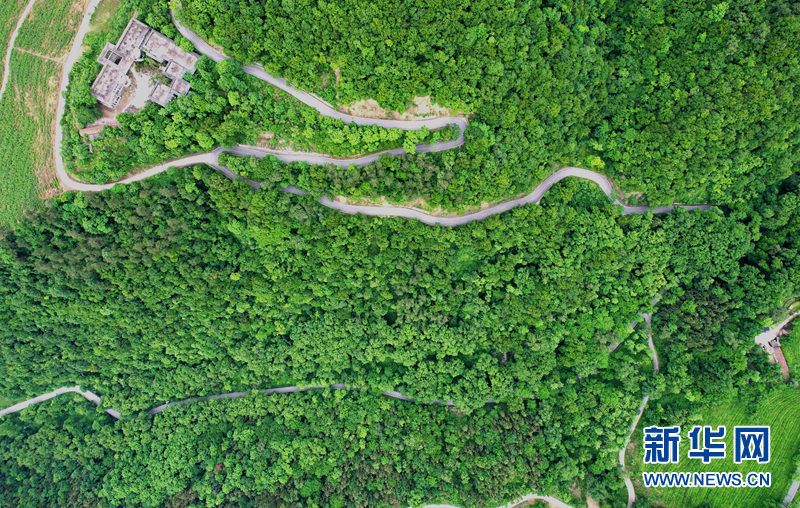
[780, 411]
[10, 11]
[26, 135]
[101, 19]
[791, 350]
[50, 26]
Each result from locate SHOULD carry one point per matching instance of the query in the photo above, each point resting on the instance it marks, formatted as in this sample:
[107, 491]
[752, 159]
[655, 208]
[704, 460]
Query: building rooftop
[109, 85]
[174, 70]
[180, 86]
[161, 94]
[160, 48]
[132, 38]
[118, 59]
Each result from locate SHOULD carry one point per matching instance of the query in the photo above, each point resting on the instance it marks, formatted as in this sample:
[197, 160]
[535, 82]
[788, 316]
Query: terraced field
[780, 412]
[50, 27]
[26, 135]
[27, 108]
[10, 11]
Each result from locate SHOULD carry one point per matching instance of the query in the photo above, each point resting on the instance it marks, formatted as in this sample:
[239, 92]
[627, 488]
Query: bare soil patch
[421, 107]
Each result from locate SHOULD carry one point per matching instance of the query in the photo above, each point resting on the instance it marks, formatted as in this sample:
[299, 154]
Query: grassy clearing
[10, 11]
[50, 27]
[103, 15]
[26, 135]
[779, 411]
[791, 350]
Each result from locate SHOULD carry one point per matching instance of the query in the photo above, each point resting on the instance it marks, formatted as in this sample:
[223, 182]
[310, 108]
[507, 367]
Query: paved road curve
[320, 105]
[212, 158]
[73, 55]
[59, 391]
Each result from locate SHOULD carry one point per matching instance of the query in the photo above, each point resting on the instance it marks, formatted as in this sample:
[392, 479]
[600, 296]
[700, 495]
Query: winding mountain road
[648, 318]
[212, 158]
[92, 397]
[642, 406]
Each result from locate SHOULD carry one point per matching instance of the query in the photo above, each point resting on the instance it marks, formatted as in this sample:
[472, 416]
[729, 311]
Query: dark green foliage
[704, 97]
[705, 329]
[684, 101]
[51, 455]
[323, 448]
[191, 284]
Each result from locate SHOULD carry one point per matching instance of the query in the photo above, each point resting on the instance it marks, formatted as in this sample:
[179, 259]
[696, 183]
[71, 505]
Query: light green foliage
[50, 27]
[26, 117]
[9, 15]
[778, 410]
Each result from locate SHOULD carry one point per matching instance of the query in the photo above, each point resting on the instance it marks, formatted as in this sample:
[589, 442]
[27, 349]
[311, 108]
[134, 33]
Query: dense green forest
[681, 101]
[189, 284]
[328, 448]
[192, 284]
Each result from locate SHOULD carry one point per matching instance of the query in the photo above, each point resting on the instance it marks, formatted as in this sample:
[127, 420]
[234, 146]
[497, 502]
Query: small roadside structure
[139, 40]
[777, 353]
[770, 342]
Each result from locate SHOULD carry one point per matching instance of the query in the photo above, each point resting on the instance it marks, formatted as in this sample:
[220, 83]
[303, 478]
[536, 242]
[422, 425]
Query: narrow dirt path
[11, 41]
[625, 477]
[40, 55]
[648, 318]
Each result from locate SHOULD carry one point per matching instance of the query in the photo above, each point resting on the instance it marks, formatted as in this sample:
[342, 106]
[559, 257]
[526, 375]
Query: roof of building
[162, 94]
[118, 59]
[174, 70]
[160, 48]
[180, 86]
[132, 38]
[109, 85]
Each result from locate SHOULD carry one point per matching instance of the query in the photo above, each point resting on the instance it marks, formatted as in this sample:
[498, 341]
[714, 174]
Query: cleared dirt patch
[421, 107]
